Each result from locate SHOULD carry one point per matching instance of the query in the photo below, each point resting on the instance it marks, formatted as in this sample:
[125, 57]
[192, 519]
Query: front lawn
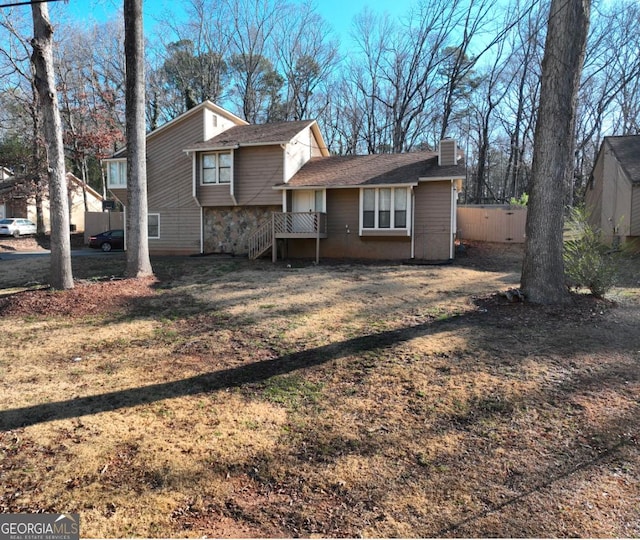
[239, 399]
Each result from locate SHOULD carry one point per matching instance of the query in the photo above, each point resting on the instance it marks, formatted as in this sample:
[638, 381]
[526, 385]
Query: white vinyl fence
[492, 223]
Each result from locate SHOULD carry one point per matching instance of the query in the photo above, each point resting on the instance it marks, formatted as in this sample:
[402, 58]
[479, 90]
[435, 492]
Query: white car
[17, 227]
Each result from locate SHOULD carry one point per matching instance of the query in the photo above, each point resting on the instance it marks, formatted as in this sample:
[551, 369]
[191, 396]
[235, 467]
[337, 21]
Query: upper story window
[385, 208]
[117, 174]
[216, 168]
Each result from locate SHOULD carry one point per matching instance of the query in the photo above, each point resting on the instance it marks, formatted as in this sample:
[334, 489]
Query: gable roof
[9, 184]
[374, 169]
[122, 153]
[627, 152]
[73, 179]
[273, 133]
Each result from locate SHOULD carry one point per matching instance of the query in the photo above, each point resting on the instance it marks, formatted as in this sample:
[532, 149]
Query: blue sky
[338, 13]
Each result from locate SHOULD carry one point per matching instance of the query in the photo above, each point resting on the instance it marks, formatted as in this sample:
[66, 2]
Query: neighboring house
[16, 201]
[613, 193]
[12, 199]
[218, 184]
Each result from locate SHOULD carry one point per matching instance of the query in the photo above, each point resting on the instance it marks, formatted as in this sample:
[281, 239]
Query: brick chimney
[447, 152]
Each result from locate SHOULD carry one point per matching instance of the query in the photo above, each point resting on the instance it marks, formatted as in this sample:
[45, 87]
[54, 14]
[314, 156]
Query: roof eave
[212, 149]
[450, 178]
[322, 145]
[286, 187]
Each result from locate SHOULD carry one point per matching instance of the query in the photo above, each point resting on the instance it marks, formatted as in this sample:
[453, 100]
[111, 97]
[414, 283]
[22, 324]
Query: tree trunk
[42, 43]
[138, 262]
[543, 268]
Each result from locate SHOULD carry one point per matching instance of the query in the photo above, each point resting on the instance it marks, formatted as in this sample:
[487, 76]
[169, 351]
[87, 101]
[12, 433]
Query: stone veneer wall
[227, 230]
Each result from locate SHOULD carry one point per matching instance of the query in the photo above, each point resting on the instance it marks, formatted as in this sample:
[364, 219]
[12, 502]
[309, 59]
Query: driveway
[84, 252]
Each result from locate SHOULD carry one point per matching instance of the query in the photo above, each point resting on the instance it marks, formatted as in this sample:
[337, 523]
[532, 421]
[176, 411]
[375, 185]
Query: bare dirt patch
[237, 399]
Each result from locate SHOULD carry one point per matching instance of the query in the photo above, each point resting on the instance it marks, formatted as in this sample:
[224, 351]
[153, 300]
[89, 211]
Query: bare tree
[90, 126]
[494, 87]
[306, 57]
[518, 118]
[543, 268]
[61, 273]
[24, 119]
[138, 262]
[609, 100]
[190, 63]
[459, 62]
[255, 79]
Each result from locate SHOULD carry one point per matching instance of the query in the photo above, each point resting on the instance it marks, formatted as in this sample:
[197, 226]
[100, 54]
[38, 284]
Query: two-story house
[217, 184]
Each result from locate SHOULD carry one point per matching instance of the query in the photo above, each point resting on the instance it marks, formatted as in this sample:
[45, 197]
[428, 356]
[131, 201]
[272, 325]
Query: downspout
[284, 162]
[413, 224]
[194, 194]
[201, 230]
[232, 185]
[125, 226]
[454, 200]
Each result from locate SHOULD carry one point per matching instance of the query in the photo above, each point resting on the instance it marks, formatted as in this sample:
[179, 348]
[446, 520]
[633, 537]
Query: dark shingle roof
[627, 152]
[272, 133]
[338, 171]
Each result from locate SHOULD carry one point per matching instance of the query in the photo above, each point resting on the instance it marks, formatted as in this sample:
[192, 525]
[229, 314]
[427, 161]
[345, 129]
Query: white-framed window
[385, 208]
[216, 168]
[153, 226]
[117, 174]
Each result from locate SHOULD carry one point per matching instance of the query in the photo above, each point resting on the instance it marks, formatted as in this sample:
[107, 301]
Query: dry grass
[232, 399]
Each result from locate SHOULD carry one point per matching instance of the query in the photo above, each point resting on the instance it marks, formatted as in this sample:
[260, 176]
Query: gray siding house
[219, 185]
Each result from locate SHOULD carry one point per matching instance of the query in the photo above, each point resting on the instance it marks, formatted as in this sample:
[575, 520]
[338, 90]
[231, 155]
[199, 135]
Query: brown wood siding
[635, 211]
[179, 231]
[448, 152]
[169, 169]
[119, 194]
[214, 195]
[593, 195]
[611, 201]
[343, 240]
[617, 203]
[256, 170]
[170, 187]
[433, 234]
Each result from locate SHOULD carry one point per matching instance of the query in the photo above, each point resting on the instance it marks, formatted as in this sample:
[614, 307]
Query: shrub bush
[588, 262]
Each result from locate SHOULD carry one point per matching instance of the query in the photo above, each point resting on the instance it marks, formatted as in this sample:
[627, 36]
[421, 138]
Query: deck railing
[286, 225]
[290, 224]
[261, 240]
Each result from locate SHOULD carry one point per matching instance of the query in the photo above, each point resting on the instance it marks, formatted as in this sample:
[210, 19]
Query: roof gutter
[343, 186]
[212, 149]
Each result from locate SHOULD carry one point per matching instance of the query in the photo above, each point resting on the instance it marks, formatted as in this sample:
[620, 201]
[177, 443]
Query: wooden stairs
[261, 240]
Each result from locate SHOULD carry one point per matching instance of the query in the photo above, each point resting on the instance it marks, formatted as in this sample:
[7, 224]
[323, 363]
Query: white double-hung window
[117, 174]
[385, 209]
[216, 168]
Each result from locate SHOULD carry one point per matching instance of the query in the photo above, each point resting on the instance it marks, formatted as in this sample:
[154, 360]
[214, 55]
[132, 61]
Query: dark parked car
[108, 240]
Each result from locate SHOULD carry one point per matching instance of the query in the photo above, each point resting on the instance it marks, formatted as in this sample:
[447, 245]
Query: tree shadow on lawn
[262, 370]
[559, 466]
[210, 382]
